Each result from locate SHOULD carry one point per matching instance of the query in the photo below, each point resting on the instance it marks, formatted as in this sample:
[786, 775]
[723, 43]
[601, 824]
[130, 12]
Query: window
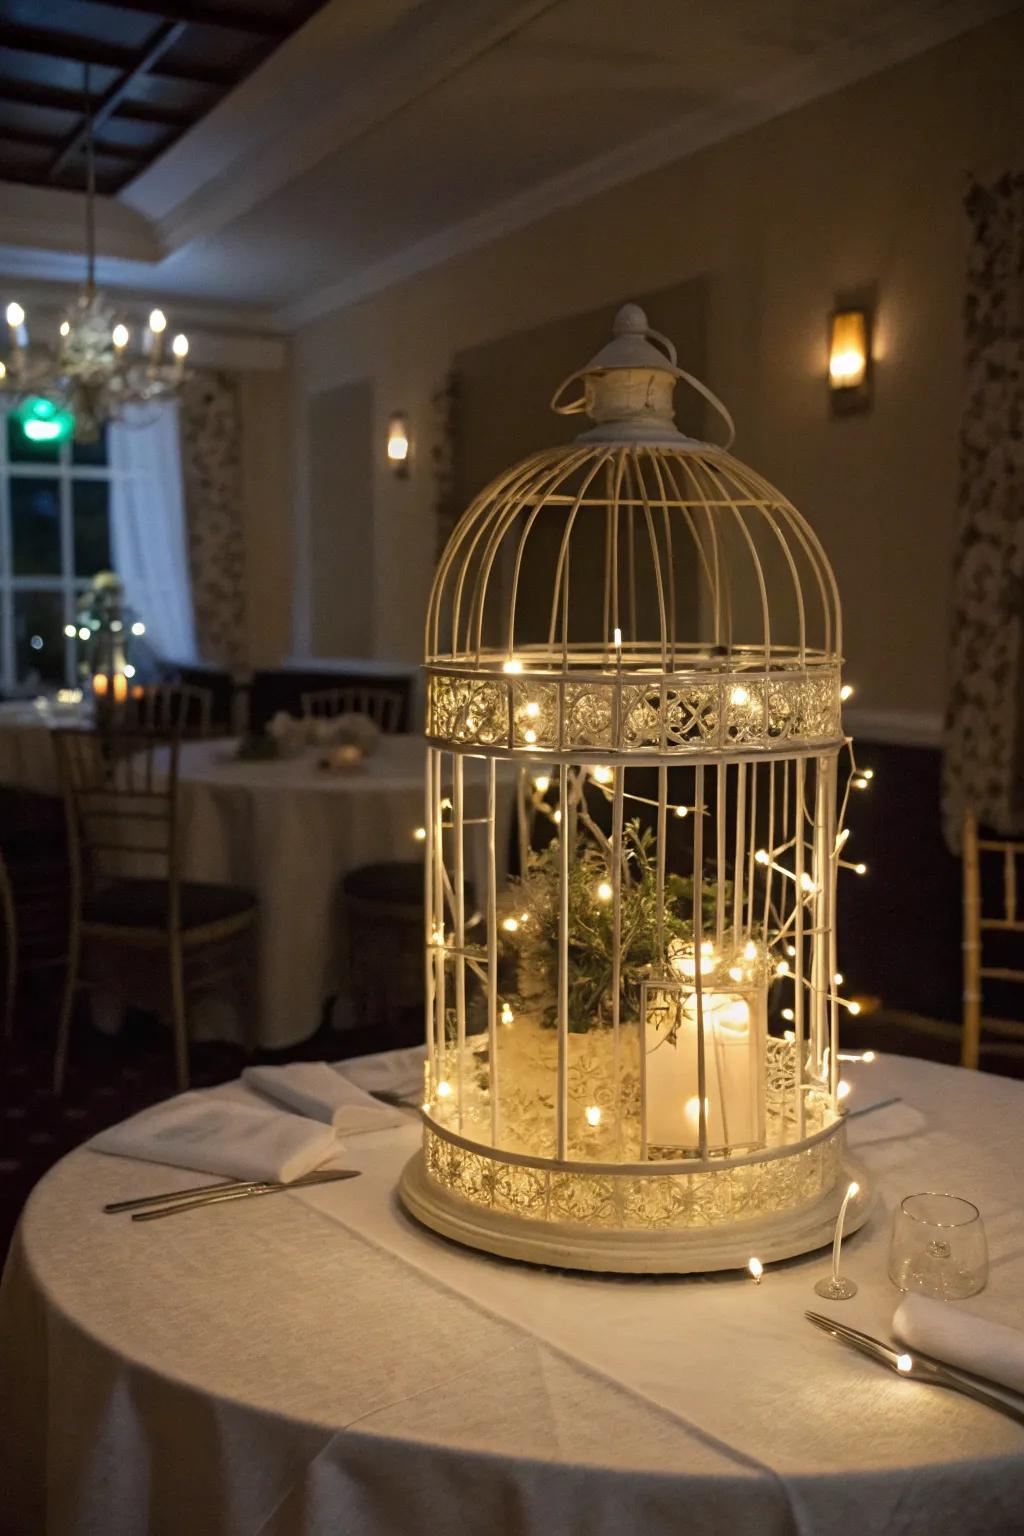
[54, 537]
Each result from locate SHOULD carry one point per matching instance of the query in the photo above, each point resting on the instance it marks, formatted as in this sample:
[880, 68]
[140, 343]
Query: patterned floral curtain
[211, 435]
[984, 761]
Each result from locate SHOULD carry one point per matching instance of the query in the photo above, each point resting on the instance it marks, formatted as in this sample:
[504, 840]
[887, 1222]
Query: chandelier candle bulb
[639, 1117]
[756, 1269]
[119, 336]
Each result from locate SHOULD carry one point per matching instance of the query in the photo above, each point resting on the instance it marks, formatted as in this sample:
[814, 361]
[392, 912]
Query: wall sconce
[398, 446]
[849, 361]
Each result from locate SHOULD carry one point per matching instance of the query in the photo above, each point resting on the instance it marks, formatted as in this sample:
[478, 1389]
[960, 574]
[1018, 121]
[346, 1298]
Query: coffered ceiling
[287, 157]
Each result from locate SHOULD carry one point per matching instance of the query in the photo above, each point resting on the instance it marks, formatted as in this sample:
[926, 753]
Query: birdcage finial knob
[630, 321]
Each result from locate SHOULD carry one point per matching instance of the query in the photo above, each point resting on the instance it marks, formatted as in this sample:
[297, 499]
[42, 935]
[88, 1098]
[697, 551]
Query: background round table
[314, 1362]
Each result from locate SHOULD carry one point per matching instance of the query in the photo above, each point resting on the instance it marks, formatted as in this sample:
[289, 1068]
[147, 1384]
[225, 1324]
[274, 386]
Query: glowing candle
[100, 685]
[120, 687]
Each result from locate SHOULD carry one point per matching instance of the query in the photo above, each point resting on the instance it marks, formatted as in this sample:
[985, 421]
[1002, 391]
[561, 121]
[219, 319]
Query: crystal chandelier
[92, 371]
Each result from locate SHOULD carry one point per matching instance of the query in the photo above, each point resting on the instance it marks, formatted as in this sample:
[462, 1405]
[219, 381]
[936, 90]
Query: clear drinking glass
[938, 1247]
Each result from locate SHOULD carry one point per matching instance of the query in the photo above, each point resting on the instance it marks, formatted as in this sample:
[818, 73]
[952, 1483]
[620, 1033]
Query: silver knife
[216, 1196]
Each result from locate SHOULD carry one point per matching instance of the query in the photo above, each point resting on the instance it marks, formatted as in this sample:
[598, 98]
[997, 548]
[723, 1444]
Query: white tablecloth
[27, 758]
[288, 832]
[316, 1363]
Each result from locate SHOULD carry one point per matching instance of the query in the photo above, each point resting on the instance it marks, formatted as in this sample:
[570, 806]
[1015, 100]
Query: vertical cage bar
[721, 797]
[562, 1086]
[616, 874]
[751, 847]
[458, 835]
[822, 970]
[832, 780]
[769, 844]
[437, 817]
[492, 943]
[741, 823]
[662, 855]
[798, 939]
[524, 815]
[698, 937]
[430, 962]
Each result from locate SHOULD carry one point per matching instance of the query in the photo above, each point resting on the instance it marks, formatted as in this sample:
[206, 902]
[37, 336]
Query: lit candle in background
[835, 1287]
[756, 1270]
[179, 346]
[120, 687]
[19, 335]
[100, 685]
[119, 336]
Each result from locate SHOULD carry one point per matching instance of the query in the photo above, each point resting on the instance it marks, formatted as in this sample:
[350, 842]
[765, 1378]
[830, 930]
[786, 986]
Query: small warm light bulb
[542, 783]
[83, 633]
[868, 1056]
[791, 950]
[70, 631]
[507, 1016]
[860, 783]
[750, 950]
[838, 978]
[593, 1114]
[736, 973]
[782, 969]
[681, 811]
[510, 924]
[129, 670]
[530, 736]
[157, 321]
[617, 639]
[846, 692]
[853, 1008]
[739, 696]
[860, 869]
[138, 628]
[853, 1188]
[904, 1363]
[601, 774]
[15, 314]
[65, 327]
[762, 856]
[867, 773]
[532, 710]
[179, 346]
[788, 1015]
[756, 1269]
[513, 664]
[604, 891]
[420, 834]
[806, 883]
[119, 336]
[444, 1089]
[556, 817]
[842, 1092]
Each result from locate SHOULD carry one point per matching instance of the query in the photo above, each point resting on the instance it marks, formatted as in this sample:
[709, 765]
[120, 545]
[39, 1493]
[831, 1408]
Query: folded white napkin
[198, 1130]
[314, 1089]
[961, 1339]
[397, 1072]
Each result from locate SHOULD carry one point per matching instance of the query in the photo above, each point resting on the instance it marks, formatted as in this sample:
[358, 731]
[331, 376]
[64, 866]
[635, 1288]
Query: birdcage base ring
[561, 1245]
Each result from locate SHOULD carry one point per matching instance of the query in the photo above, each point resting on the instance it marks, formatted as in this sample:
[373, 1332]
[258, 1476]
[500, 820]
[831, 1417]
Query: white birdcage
[632, 1046]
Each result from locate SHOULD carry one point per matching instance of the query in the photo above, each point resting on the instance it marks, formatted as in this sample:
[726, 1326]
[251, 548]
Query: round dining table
[317, 1363]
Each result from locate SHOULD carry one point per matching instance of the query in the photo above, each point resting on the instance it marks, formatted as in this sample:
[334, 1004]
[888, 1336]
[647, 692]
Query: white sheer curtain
[147, 527]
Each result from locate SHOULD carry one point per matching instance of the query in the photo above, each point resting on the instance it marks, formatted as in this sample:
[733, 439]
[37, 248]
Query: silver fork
[915, 1367]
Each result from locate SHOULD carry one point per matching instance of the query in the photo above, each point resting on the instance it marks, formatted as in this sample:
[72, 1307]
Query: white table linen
[961, 1338]
[214, 1135]
[320, 1364]
[27, 756]
[288, 831]
[320, 1092]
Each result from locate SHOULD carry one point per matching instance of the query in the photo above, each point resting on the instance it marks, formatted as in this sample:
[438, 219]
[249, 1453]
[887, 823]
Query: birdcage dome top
[634, 591]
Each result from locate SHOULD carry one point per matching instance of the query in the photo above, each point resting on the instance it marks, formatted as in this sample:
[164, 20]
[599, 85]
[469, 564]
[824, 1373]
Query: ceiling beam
[31, 94]
[31, 136]
[210, 13]
[163, 38]
[84, 50]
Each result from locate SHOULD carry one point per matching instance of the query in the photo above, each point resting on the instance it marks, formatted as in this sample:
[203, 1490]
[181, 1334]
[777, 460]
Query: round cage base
[694, 1251]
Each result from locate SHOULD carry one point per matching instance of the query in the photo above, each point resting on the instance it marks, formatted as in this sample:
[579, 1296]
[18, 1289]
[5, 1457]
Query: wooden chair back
[183, 708]
[978, 855]
[382, 705]
[120, 795]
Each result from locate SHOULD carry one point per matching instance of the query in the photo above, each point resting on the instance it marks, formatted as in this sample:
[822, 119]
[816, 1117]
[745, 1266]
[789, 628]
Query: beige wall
[266, 504]
[861, 189]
